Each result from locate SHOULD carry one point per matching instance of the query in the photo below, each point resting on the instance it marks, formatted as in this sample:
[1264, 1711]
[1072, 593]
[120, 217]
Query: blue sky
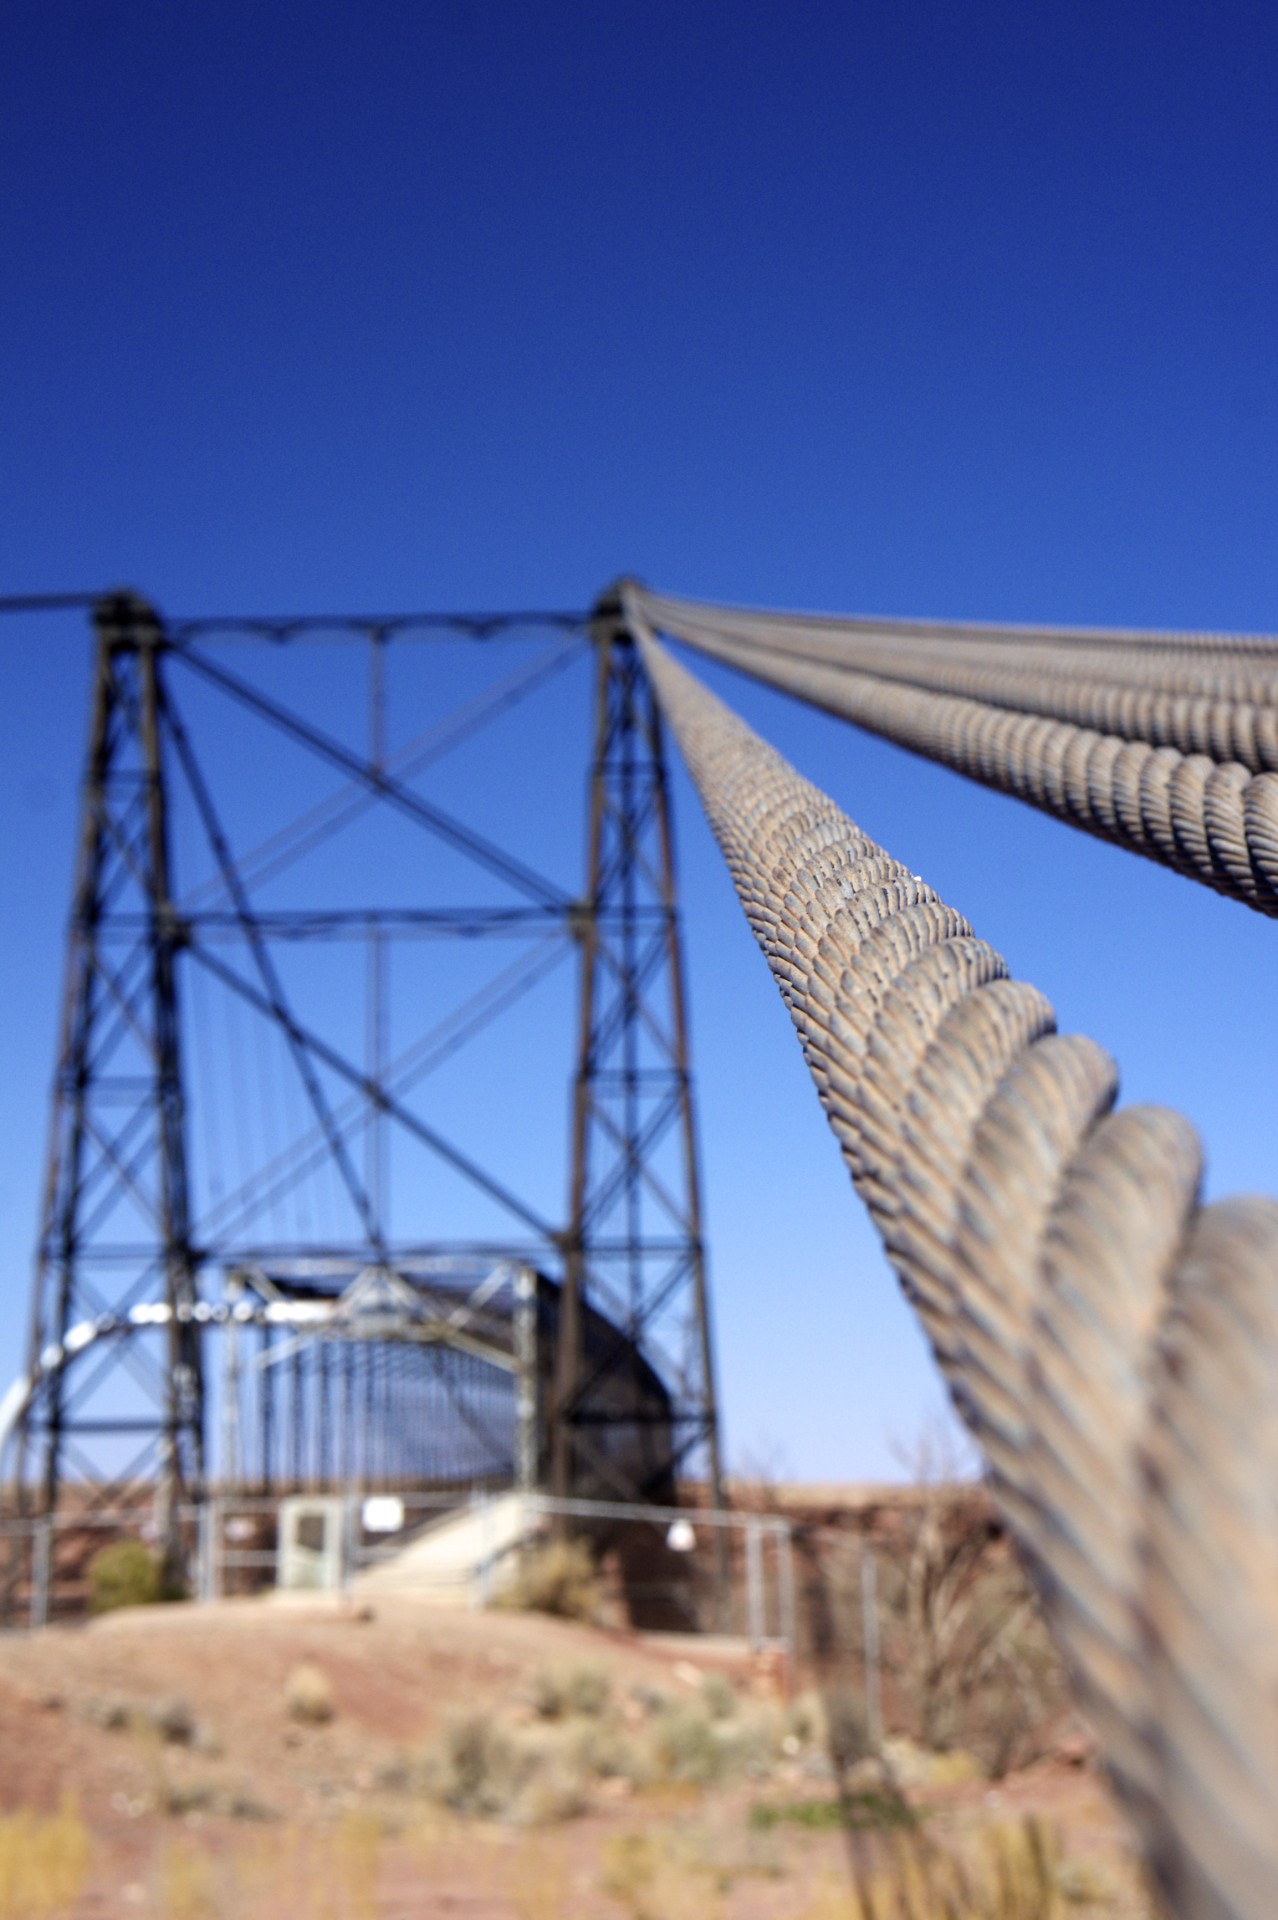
[959, 310]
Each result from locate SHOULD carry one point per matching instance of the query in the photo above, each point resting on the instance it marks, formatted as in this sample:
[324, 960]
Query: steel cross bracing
[113, 1404]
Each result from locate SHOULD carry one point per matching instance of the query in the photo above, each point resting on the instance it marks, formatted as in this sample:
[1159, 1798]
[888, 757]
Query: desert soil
[254, 1813]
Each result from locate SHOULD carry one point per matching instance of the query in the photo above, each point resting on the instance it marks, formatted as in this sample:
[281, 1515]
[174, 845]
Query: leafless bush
[961, 1630]
[965, 1661]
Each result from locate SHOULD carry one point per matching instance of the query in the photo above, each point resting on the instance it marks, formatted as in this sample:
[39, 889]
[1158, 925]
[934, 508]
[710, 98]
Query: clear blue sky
[959, 310]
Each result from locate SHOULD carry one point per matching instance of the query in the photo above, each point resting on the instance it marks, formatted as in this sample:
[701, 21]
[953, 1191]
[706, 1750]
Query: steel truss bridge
[1111, 1342]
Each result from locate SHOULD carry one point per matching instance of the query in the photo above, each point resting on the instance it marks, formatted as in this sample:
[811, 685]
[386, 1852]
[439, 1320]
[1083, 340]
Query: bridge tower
[115, 1222]
[634, 1245]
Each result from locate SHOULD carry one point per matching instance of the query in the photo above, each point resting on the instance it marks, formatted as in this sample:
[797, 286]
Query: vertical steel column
[568, 1354]
[691, 1162]
[181, 1464]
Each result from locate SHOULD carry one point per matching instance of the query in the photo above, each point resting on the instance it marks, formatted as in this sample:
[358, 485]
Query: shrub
[551, 1791]
[308, 1697]
[719, 1695]
[481, 1766]
[125, 1574]
[687, 1747]
[558, 1577]
[174, 1721]
[583, 1690]
[600, 1750]
[473, 1770]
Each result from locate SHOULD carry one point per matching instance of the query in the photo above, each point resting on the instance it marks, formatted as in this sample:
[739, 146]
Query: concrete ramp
[465, 1556]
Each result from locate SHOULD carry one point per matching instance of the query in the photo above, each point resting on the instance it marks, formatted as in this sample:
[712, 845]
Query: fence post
[870, 1642]
[41, 1550]
[785, 1584]
[527, 1447]
[204, 1552]
[486, 1553]
[754, 1583]
[350, 1555]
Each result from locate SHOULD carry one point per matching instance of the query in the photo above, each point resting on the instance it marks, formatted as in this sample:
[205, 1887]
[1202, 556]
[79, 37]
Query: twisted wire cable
[1112, 1345]
[1202, 694]
[1214, 821]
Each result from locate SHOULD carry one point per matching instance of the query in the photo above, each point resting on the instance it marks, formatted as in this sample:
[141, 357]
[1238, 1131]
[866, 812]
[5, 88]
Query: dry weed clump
[1012, 1871]
[308, 1695]
[715, 1736]
[582, 1689]
[487, 1767]
[558, 1577]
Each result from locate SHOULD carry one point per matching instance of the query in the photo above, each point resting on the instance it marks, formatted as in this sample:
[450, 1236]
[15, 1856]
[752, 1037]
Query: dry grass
[44, 1862]
[651, 1882]
[331, 1875]
[188, 1886]
[674, 1868]
[1010, 1871]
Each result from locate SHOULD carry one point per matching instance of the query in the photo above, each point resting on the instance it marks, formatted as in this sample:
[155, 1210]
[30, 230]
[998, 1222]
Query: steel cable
[1213, 679]
[1224, 715]
[1214, 822]
[1112, 1345]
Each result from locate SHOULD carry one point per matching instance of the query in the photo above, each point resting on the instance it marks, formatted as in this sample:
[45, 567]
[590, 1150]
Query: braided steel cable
[1195, 701]
[1232, 667]
[1214, 822]
[1112, 1345]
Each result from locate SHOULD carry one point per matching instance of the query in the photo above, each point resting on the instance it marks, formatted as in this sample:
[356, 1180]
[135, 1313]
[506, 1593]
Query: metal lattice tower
[115, 1226]
[635, 1247]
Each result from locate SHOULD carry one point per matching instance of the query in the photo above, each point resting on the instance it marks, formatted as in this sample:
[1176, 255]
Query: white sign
[383, 1513]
